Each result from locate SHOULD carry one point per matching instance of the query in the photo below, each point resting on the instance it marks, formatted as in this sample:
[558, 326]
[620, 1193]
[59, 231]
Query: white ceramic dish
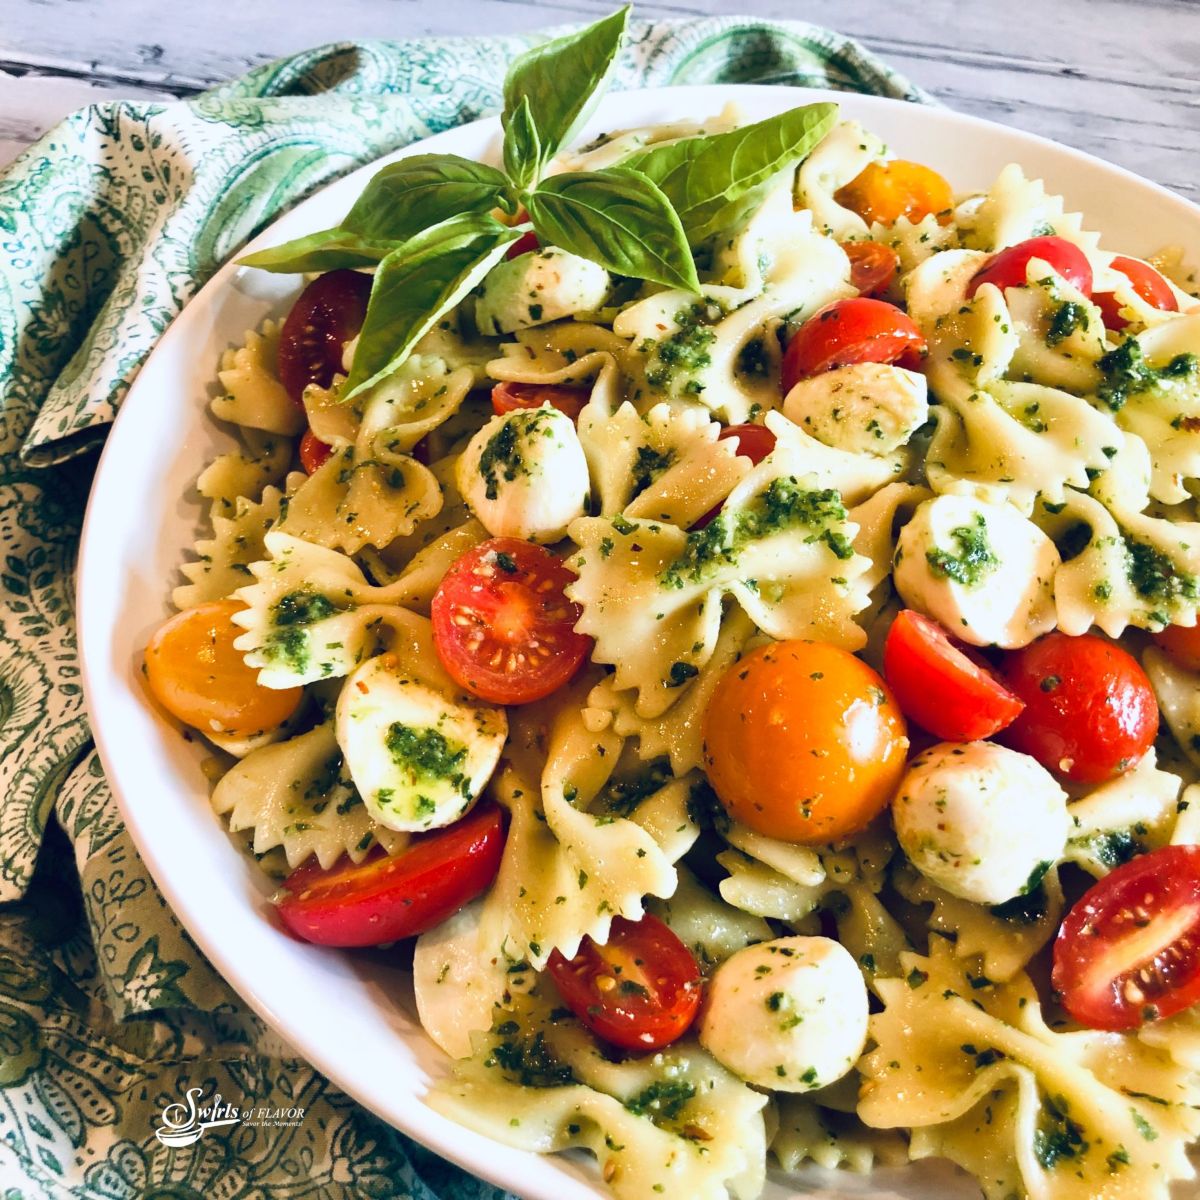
[353, 1016]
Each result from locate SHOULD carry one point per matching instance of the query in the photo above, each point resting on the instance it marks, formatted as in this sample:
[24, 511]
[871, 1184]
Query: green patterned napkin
[108, 1012]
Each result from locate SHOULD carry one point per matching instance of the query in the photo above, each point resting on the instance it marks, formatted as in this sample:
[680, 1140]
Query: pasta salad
[730, 601]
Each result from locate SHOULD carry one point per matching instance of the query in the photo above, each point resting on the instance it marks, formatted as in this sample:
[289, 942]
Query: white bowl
[352, 1016]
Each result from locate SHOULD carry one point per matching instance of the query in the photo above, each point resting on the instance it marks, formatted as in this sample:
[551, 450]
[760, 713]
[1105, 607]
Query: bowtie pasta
[641, 650]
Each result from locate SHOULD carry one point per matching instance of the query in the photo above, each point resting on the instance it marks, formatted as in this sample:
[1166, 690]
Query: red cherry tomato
[1090, 712]
[754, 442]
[507, 397]
[945, 688]
[873, 266]
[1129, 951]
[851, 331]
[640, 991]
[1007, 268]
[523, 245]
[314, 453]
[330, 311]
[1182, 643]
[502, 624]
[384, 899]
[1147, 283]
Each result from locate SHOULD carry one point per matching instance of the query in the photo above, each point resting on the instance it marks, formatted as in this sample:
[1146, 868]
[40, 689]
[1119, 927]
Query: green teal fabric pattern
[108, 225]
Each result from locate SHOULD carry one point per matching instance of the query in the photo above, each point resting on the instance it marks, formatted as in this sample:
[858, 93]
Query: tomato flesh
[1007, 269]
[873, 266]
[314, 453]
[1147, 283]
[386, 898]
[502, 624]
[1128, 952]
[804, 742]
[330, 311]
[527, 242]
[1090, 712]
[640, 991]
[943, 687]
[508, 397]
[885, 192]
[851, 331]
[195, 673]
[1182, 643]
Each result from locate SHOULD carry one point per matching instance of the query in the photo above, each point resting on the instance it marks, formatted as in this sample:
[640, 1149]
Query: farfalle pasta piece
[811, 1132]
[915, 241]
[261, 460]
[840, 157]
[298, 796]
[1177, 691]
[674, 1123]
[253, 396]
[651, 593]
[971, 1067]
[878, 518]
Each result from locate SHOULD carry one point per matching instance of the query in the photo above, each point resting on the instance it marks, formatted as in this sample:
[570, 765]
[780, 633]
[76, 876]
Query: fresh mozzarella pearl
[867, 408]
[982, 571]
[790, 1015]
[417, 757]
[980, 820]
[524, 475]
[535, 288]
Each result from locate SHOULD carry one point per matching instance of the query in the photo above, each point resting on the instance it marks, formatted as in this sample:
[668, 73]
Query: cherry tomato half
[803, 741]
[385, 898]
[502, 624]
[1147, 283]
[1129, 951]
[1007, 268]
[330, 311]
[851, 331]
[754, 442]
[885, 192]
[507, 397]
[196, 675]
[873, 266]
[945, 688]
[640, 991]
[523, 245]
[1182, 643]
[1090, 711]
[314, 453]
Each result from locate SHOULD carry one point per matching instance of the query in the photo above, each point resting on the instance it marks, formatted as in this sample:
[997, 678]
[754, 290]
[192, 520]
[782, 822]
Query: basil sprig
[427, 223]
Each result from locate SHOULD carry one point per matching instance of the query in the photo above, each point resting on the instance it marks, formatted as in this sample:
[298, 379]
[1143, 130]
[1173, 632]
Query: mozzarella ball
[524, 475]
[418, 758]
[790, 1015]
[980, 820]
[982, 571]
[535, 288]
[867, 408]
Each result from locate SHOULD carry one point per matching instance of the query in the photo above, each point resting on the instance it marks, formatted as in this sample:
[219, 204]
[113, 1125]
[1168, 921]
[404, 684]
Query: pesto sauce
[623, 797]
[1126, 373]
[502, 456]
[663, 1098]
[427, 754]
[1057, 1138]
[752, 359]
[529, 1061]
[650, 464]
[975, 559]
[292, 614]
[704, 809]
[1068, 317]
[782, 505]
[686, 351]
[1117, 847]
[1156, 577]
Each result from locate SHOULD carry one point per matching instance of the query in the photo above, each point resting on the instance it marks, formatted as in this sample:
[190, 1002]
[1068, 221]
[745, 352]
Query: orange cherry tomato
[851, 331]
[314, 453]
[804, 742]
[1182, 643]
[1147, 283]
[885, 192]
[873, 266]
[195, 673]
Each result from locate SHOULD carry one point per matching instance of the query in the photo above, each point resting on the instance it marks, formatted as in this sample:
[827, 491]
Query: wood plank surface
[1117, 78]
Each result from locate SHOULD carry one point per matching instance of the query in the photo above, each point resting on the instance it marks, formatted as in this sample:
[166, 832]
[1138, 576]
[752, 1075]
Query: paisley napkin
[108, 1012]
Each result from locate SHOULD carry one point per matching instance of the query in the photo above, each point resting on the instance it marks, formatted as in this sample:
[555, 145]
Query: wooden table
[1118, 78]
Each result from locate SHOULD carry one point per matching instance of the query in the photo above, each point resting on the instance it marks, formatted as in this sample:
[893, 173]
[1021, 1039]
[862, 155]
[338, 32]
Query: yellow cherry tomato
[196, 675]
[804, 742]
[885, 192]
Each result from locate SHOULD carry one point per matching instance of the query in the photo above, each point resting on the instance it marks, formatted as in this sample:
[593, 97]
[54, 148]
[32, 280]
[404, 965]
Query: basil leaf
[424, 190]
[563, 81]
[617, 218]
[416, 284]
[522, 151]
[712, 181]
[324, 251]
